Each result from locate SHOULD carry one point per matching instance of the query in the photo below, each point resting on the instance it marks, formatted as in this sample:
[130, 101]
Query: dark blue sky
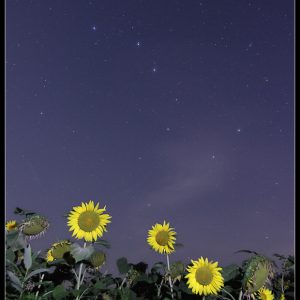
[175, 110]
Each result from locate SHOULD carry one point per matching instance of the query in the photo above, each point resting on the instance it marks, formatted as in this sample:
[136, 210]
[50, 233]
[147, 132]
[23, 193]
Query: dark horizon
[171, 111]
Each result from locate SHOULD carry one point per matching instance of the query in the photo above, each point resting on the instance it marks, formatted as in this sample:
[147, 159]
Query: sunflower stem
[170, 279]
[79, 274]
[40, 283]
[123, 282]
[159, 287]
[226, 292]
[82, 277]
[241, 295]
[282, 282]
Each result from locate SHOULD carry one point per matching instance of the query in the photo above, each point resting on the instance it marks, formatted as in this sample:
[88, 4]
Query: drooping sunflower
[88, 222]
[204, 277]
[259, 270]
[35, 226]
[265, 294]
[11, 225]
[58, 250]
[162, 238]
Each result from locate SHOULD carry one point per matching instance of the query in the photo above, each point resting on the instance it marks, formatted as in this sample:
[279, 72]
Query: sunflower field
[73, 269]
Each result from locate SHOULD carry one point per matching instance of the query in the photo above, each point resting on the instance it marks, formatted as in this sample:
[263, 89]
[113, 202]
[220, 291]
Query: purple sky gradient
[175, 110]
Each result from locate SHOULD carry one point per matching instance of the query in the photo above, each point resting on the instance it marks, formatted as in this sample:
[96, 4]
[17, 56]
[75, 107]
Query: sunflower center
[162, 238]
[88, 221]
[204, 276]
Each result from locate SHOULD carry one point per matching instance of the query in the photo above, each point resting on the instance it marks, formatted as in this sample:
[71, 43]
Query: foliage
[30, 276]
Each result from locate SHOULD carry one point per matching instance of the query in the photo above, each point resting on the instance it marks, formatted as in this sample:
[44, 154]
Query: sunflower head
[11, 225]
[204, 277]
[97, 259]
[259, 271]
[162, 238]
[265, 294]
[58, 250]
[282, 297]
[88, 222]
[34, 226]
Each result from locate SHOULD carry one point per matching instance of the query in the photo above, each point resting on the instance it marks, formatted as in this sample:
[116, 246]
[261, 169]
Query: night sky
[161, 110]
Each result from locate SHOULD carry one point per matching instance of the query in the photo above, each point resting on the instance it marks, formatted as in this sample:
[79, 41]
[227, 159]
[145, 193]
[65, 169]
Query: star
[138, 44]
[168, 129]
[213, 156]
[42, 113]
[239, 130]
[94, 28]
[154, 70]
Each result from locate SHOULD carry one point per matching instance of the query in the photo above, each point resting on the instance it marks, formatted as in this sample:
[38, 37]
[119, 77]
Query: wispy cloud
[190, 171]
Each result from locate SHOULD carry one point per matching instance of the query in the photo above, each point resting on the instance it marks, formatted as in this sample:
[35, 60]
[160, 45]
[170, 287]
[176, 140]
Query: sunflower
[11, 225]
[259, 271]
[88, 222]
[204, 277]
[34, 226]
[265, 294]
[58, 250]
[162, 238]
[282, 297]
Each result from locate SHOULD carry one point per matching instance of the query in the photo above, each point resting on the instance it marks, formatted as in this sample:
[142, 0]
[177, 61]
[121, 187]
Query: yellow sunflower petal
[88, 221]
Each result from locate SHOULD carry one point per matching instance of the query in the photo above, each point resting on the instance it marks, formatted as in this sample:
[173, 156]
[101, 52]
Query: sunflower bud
[97, 259]
[34, 226]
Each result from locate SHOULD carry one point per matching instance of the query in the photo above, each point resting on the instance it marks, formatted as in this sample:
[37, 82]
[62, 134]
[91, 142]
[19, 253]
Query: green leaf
[59, 293]
[99, 285]
[76, 293]
[38, 271]
[127, 294]
[103, 243]
[22, 212]
[16, 241]
[144, 278]
[28, 297]
[247, 251]
[228, 289]
[230, 272]
[81, 253]
[157, 266]
[10, 255]
[177, 269]
[35, 255]
[184, 288]
[123, 265]
[15, 279]
[27, 258]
